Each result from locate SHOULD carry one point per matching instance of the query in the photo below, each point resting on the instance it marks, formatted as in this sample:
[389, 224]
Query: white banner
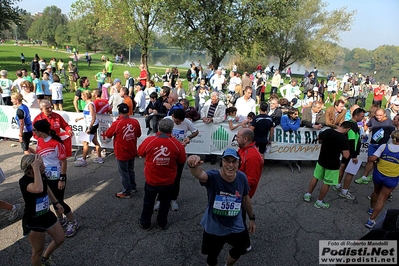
[212, 138]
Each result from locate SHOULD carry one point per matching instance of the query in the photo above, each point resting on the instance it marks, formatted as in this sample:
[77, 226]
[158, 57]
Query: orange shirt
[129, 102]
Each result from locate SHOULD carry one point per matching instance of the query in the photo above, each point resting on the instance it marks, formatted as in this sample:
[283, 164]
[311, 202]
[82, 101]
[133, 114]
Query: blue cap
[230, 152]
[116, 80]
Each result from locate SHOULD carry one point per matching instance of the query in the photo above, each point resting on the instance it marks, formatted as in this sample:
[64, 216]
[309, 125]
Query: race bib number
[178, 134]
[42, 205]
[226, 205]
[52, 172]
[378, 135]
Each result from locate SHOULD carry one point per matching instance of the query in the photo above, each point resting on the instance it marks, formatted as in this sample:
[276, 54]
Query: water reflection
[182, 60]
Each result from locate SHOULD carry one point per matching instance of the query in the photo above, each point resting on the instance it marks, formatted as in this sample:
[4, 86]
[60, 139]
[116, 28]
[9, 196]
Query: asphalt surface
[288, 229]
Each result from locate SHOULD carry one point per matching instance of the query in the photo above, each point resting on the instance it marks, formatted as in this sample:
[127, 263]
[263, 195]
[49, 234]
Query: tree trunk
[216, 61]
[144, 60]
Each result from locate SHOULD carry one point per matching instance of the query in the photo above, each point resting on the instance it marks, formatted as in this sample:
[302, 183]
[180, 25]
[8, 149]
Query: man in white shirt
[16, 86]
[234, 80]
[218, 80]
[292, 92]
[245, 104]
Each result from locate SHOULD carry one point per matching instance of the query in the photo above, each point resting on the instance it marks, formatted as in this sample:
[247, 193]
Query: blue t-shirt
[46, 85]
[39, 89]
[223, 213]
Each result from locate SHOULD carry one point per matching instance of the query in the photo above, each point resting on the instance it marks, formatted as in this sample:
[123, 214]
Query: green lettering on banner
[3, 121]
[307, 137]
[278, 135]
[314, 135]
[297, 137]
[285, 137]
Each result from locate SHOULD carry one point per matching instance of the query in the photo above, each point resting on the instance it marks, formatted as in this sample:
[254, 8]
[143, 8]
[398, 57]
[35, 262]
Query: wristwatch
[252, 218]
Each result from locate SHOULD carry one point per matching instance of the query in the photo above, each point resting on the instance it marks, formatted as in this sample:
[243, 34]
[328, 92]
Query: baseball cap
[116, 80]
[230, 152]
[3, 73]
[396, 102]
[123, 108]
[49, 66]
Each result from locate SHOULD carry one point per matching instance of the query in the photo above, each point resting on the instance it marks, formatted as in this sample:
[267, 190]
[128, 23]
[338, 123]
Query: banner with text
[212, 138]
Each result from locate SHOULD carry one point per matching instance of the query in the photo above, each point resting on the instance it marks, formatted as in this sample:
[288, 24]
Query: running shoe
[370, 211]
[72, 227]
[348, 195]
[123, 195]
[81, 163]
[98, 160]
[142, 227]
[337, 187]
[321, 205]
[46, 262]
[370, 224]
[363, 181]
[306, 197]
[14, 212]
[174, 206]
[63, 221]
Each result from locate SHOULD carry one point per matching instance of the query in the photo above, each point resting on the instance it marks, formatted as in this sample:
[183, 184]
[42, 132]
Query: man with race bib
[227, 191]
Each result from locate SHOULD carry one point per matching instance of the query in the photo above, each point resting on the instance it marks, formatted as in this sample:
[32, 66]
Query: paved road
[288, 229]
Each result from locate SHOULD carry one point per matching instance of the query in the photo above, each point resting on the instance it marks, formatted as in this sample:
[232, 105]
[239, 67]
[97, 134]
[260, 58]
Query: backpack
[75, 75]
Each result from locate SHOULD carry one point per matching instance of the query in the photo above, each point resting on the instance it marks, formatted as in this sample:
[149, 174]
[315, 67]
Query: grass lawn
[10, 61]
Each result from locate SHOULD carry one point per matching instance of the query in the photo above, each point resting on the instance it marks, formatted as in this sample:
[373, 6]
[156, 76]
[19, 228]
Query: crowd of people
[238, 100]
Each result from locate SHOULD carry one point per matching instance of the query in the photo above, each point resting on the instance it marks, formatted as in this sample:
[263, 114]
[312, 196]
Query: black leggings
[59, 195]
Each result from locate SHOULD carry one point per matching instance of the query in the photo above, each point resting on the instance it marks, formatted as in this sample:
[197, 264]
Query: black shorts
[261, 147]
[213, 244]
[26, 136]
[40, 96]
[57, 101]
[109, 74]
[258, 90]
[345, 161]
[93, 130]
[39, 224]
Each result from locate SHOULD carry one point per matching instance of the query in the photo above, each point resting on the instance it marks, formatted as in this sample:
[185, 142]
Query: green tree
[132, 21]
[9, 14]
[218, 27]
[85, 31]
[45, 26]
[294, 30]
[61, 35]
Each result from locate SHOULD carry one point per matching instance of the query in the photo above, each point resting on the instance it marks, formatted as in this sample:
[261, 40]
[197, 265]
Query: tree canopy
[301, 30]
[9, 14]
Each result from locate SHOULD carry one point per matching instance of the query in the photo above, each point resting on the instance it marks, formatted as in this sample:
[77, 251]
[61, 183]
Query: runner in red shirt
[125, 131]
[102, 105]
[57, 123]
[162, 154]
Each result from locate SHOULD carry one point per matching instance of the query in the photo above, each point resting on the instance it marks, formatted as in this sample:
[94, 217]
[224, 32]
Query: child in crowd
[231, 116]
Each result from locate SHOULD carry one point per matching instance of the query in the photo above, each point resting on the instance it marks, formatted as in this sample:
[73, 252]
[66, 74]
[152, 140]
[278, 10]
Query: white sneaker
[104, 153]
[156, 205]
[98, 160]
[80, 163]
[174, 206]
[14, 213]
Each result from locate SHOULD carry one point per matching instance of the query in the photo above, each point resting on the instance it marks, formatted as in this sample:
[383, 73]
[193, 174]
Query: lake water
[183, 59]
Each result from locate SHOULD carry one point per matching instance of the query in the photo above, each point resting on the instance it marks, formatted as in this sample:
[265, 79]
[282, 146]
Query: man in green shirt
[354, 150]
[109, 66]
[78, 103]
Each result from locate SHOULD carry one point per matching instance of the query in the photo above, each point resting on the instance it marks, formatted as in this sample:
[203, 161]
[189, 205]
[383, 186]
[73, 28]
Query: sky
[375, 23]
